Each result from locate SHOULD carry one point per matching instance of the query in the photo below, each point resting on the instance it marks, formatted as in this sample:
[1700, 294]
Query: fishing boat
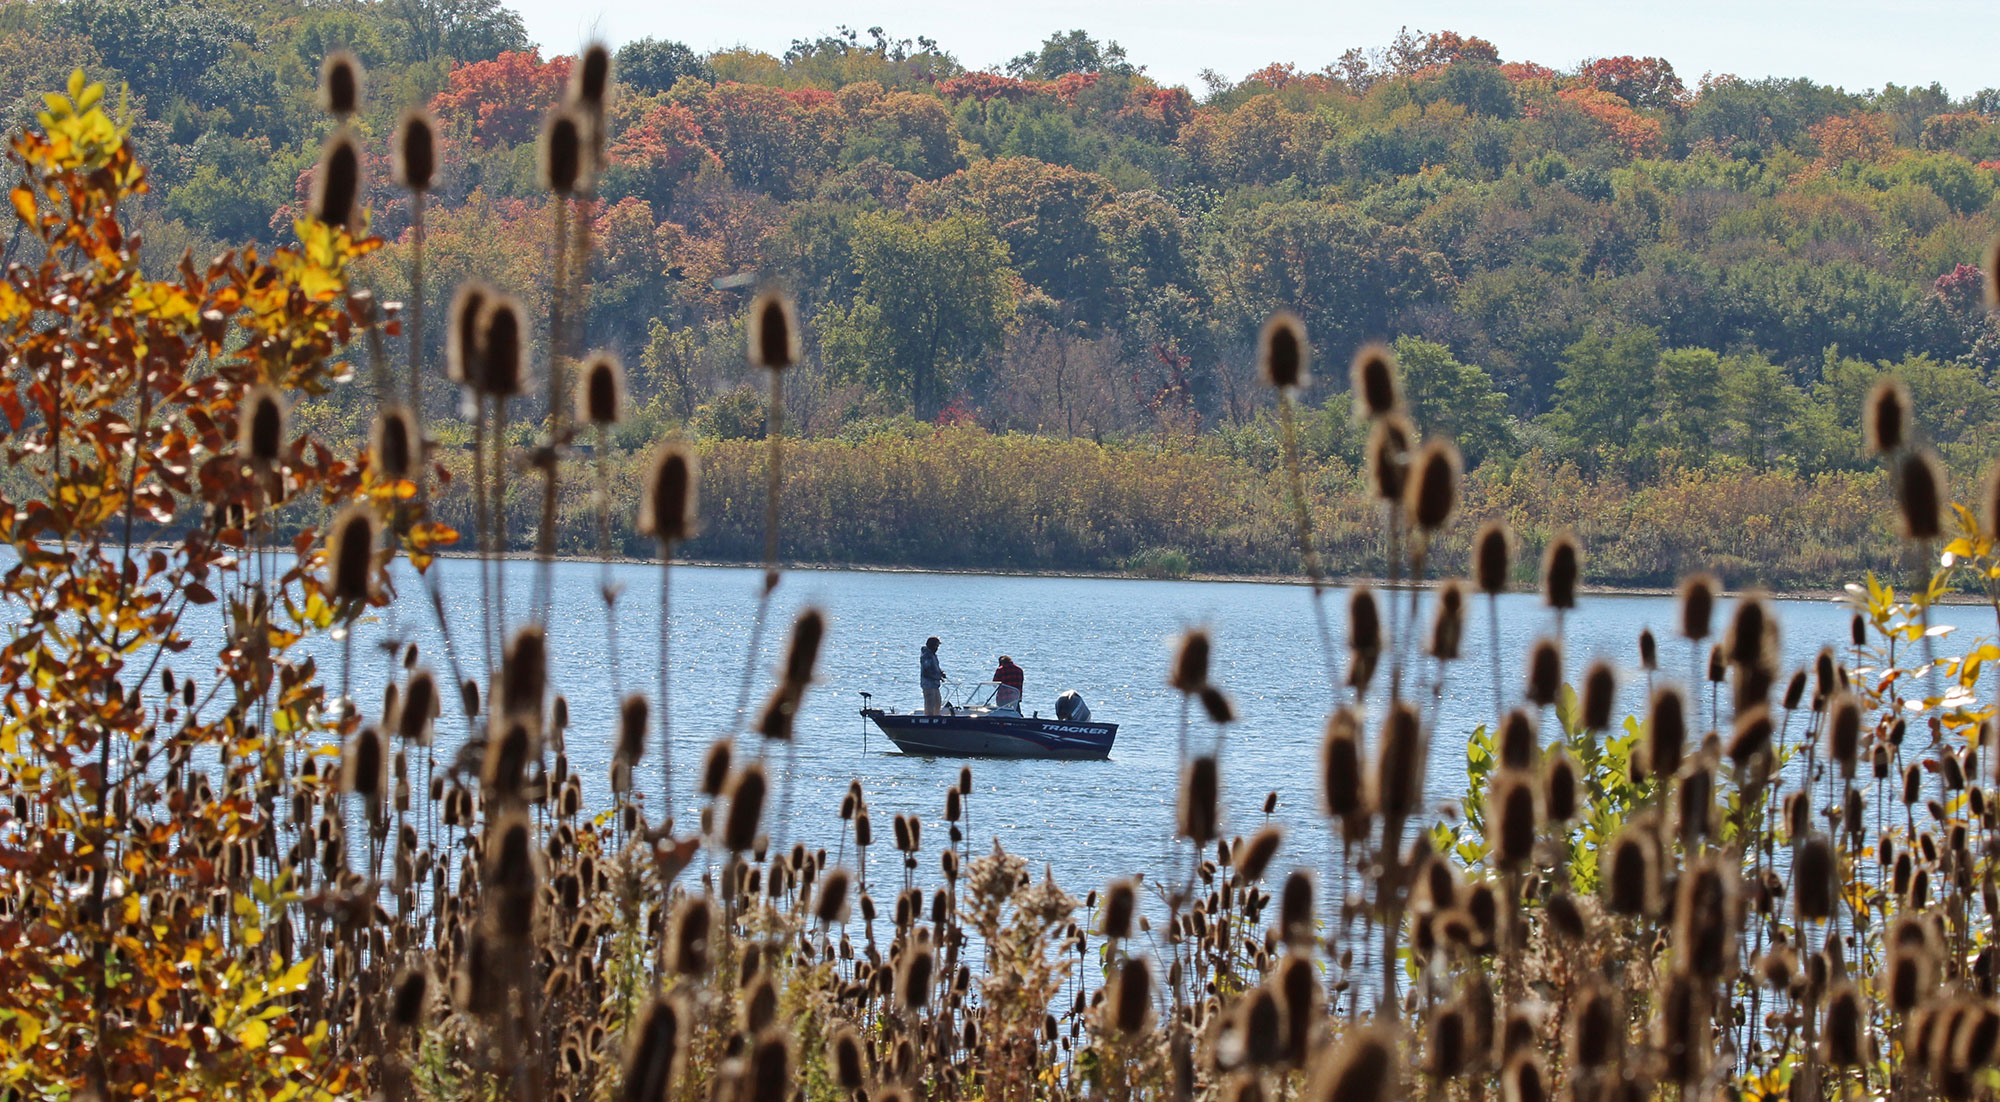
[982, 726]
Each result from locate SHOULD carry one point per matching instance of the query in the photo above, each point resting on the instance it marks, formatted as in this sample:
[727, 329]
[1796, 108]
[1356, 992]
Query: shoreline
[1339, 582]
[1347, 581]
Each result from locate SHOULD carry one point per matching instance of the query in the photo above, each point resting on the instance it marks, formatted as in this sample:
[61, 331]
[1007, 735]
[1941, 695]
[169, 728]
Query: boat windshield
[981, 696]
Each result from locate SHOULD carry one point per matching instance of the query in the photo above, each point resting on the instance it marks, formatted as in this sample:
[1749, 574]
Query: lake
[1111, 639]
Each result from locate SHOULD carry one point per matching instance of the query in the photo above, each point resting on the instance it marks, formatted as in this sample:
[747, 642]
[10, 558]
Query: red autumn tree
[1643, 82]
[502, 100]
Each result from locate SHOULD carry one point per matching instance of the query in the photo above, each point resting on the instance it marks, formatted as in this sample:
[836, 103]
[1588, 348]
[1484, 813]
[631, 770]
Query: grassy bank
[965, 499]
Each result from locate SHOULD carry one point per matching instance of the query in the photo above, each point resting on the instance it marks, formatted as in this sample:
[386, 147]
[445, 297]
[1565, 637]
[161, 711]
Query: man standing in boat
[932, 676]
[1009, 679]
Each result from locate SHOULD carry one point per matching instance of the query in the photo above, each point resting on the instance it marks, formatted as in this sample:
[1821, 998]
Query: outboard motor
[1070, 707]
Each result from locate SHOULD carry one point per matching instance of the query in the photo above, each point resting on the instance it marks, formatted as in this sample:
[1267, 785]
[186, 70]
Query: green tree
[1455, 400]
[1606, 391]
[657, 64]
[1762, 410]
[934, 297]
[1074, 52]
[1687, 403]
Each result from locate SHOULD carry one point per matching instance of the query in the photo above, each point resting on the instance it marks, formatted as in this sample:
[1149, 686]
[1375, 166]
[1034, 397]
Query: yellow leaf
[294, 978]
[254, 1034]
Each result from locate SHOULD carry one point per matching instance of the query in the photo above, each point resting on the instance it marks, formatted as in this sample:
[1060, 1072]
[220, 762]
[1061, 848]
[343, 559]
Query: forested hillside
[1592, 271]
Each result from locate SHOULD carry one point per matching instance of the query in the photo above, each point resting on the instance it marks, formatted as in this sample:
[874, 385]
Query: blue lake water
[1110, 639]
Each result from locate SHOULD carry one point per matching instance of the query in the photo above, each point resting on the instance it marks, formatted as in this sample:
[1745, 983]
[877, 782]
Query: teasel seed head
[1705, 922]
[802, 651]
[774, 331]
[600, 395]
[1562, 783]
[1649, 650]
[1372, 378]
[394, 448]
[1519, 746]
[1446, 1055]
[1511, 825]
[413, 159]
[1340, 766]
[502, 348]
[1257, 853]
[1399, 767]
[654, 1053]
[1448, 621]
[1666, 731]
[1844, 733]
[1718, 665]
[1388, 457]
[1561, 566]
[524, 673]
[1295, 908]
[1121, 902]
[830, 904]
[261, 421]
[1190, 670]
[462, 336]
[1697, 601]
[1216, 703]
[688, 937]
[913, 977]
[1132, 1000]
[1886, 416]
[503, 769]
[1363, 1069]
[1544, 672]
[1433, 492]
[362, 766]
[1364, 622]
[1492, 551]
[1752, 736]
[1524, 1079]
[1284, 357]
[633, 716]
[849, 1070]
[350, 553]
[1812, 879]
[407, 998]
[746, 809]
[668, 511]
[1199, 799]
[418, 707]
[341, 80]
[1919, 484]
[337, 184]
[1631, 872]
[1846, 1022]
[590, 81]
[562, 153]
[1600, 690]
[1751, 629]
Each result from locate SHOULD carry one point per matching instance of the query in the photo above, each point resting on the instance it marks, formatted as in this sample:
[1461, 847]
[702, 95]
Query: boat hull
[964, 736]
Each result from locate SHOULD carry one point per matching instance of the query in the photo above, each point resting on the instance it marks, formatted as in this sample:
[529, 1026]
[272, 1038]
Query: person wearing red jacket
[1009, 678]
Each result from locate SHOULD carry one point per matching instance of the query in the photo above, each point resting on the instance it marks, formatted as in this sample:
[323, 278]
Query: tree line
[1592, 267]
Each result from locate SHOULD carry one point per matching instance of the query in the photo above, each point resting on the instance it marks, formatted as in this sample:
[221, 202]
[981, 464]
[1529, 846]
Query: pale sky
[1855, 45]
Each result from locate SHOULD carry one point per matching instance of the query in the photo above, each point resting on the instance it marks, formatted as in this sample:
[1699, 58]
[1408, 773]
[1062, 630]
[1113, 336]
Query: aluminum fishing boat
[980, 726]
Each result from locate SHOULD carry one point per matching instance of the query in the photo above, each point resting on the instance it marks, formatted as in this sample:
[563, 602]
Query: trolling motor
[866, 706]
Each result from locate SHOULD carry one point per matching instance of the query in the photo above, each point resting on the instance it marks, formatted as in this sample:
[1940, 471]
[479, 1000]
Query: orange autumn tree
[152, 942]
